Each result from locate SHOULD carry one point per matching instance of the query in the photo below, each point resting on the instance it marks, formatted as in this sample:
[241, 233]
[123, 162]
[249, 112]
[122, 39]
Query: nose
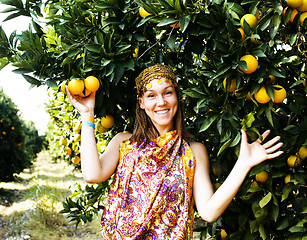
[160, 100]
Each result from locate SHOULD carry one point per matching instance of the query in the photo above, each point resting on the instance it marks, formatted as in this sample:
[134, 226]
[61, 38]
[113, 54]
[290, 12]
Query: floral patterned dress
[151, 194]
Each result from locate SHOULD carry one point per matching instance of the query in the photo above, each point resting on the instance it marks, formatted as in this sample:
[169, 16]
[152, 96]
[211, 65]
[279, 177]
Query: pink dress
[151, 194]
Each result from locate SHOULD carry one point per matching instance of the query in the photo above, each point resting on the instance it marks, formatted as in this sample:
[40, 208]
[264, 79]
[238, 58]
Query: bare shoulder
[197, 147]
[199, 151]
[120, 137]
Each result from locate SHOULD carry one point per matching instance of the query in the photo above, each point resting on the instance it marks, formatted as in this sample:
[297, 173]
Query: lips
[162, 111]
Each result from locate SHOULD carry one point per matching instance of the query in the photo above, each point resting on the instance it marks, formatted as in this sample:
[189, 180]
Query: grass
[30, 206]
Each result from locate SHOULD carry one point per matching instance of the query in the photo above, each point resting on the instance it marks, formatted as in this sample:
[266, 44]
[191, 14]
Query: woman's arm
[211, 205]
[95, 169]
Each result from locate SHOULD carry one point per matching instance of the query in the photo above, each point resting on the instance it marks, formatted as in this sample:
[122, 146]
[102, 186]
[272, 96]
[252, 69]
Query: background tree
[240, 64]
[19, 140]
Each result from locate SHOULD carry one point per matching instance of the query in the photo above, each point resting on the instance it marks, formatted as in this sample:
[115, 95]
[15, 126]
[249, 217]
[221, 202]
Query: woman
[157, 172]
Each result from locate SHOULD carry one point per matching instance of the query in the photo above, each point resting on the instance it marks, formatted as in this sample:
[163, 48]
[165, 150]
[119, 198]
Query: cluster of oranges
[296, 6]
[105, 123]
[261, 96]
[81, 87]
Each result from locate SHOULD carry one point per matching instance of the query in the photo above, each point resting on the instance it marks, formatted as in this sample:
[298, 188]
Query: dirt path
[29, 206]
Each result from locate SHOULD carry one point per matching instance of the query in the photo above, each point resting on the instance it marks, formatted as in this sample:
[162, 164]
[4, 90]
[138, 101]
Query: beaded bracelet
[88, 119]
[89, 124]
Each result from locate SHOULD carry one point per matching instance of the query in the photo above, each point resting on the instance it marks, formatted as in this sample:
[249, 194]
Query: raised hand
[84, 105]
[254, 153]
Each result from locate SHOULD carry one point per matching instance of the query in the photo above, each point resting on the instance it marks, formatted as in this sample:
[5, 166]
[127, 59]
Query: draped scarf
[151, 194]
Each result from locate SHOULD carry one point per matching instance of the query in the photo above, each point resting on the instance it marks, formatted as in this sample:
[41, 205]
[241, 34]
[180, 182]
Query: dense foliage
[110, 40]
[19, 140]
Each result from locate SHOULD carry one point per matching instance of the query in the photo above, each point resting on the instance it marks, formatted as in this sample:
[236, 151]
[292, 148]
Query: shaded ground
[29, 206]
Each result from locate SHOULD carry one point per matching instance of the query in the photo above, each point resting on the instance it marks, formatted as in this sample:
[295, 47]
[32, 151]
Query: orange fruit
[76, 159]
[175, 25]
[294, 3]
[136, 50]
[63, 141]
[143, 13]
[293, 161]
[302, 152]
[248, 96]
[303, 17]
[287, 178]
[100, 128]
[272, 78]
[217, 185]
[257, 14]
[68, 151]
[242, 33]
[217, 169]
[223, 234]
[76, 86]
[293, 14]
[254, 184]
[91, 83]
[279, 94]
[303, 7]
[262, 177]
[251, 63]
[107, 121]
[77, 138]
[261, 96]
[85, 93]
[63, 85]
[250, 19]
[232, 86]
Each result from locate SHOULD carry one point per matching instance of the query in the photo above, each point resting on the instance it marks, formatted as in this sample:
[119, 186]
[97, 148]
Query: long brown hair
[145, 130]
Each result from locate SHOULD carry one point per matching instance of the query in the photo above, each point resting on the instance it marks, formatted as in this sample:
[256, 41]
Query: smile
[162, 111]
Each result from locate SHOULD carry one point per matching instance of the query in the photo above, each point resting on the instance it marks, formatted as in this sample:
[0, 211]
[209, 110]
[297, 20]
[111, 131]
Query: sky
[30, 101]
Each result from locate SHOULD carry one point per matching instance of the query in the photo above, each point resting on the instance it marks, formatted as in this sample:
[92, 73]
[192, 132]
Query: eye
[150, 95]
[168, 93]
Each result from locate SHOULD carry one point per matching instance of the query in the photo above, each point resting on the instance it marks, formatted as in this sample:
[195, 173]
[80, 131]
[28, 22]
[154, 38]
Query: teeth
[161, 112]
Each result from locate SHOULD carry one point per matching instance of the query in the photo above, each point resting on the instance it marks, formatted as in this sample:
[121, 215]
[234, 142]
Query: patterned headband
[157, 71]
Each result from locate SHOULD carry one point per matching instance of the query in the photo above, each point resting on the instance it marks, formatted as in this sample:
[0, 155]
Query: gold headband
[157, 71]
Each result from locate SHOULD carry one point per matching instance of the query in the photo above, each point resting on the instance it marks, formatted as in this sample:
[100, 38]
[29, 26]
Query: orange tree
[233, 73]
[19, 140]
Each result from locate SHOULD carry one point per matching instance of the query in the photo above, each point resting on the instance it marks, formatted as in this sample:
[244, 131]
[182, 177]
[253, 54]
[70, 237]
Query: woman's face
[160, 103]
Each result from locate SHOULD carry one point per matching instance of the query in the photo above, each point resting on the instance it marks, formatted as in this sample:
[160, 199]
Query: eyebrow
[170, 86]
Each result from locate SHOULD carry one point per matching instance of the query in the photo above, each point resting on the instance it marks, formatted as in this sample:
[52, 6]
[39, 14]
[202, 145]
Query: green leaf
[269, 115]
[248, 121]
[206, 124]
[287, 189]
[236, 140]
[93, 47]
[184, 22]
[225, 145]
[32, 80]
[265, 200]
[262, 231]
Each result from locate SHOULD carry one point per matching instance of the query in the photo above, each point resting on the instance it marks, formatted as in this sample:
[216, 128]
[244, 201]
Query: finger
[274, 148]
[274, 155]
[264, 135]
[271, 142]
[243, 136]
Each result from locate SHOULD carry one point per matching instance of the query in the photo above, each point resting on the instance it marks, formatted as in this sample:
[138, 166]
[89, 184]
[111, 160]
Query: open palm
[257, 151]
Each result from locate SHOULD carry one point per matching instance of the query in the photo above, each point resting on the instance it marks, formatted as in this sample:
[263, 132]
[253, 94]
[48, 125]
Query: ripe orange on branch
[76, 86]
[293, 161]
[91, 83]
[143, 13]
[303, 7]
[250, 19]
[279, 94]
[232, 86]
[261, 95]
[251, 63]
[262, 177]
[293, 14]
[107, 121]
[294, 3]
